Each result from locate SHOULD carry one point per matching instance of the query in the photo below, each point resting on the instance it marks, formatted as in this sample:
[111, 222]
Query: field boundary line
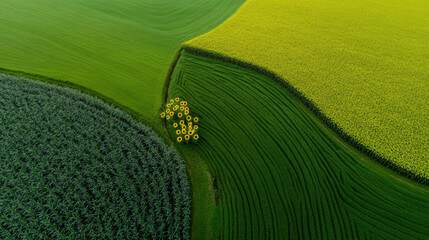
[308, 103]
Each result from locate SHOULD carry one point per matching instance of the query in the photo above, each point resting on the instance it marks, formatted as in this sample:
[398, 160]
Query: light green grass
[362, 63]
[280, 172]
[119, 48]
[72, 167]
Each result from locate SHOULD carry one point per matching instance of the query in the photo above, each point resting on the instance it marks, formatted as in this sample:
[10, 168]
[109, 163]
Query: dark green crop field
[72, 167]
[280, 173]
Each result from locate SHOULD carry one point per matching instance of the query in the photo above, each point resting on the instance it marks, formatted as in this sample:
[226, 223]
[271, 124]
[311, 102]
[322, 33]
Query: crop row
[279, 173]
[364, 72]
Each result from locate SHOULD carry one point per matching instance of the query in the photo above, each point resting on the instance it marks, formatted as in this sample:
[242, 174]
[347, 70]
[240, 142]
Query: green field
[73, 167]
[362, 63]
[119, 48]
[280, 173]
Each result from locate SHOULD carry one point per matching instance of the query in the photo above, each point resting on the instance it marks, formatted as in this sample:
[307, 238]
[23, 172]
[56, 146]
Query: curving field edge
[307, 102]
[48, 125]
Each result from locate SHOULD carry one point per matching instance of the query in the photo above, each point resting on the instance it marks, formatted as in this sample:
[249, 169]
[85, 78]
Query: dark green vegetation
[72, 167]
[280, 173]
[119, 48]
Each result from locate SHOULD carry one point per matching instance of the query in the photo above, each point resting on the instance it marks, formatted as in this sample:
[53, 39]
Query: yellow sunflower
[171, 101]
[179, 139]
[163, 114]
[168, 105]
[171, 113]
[179, 115]
[195, 127]
[175, 125]
[177, 99]
[182, 108]
[182, 122]
[168, 117]
[185, 103]
[184, 131]
[186, 112]
[186, 137]
[195, 119]
[189, 118]
[167, 111]
[178, 132]
[196, 136]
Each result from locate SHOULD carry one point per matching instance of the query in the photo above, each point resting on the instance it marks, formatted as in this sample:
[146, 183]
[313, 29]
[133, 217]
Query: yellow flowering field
[185, 127]
[363, 64]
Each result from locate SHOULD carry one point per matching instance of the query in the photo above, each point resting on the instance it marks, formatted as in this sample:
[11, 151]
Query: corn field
[72, 167]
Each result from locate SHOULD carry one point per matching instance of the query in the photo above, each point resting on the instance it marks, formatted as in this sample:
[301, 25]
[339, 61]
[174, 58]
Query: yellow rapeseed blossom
[179, 139]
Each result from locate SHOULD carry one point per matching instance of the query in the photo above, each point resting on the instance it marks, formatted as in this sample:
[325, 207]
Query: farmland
[362, 64]
[119, 49]
[73, 167]
[280, 173]
[296, 104]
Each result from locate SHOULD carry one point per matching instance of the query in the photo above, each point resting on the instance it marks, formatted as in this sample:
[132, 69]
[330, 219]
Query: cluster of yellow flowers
[184, 124]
